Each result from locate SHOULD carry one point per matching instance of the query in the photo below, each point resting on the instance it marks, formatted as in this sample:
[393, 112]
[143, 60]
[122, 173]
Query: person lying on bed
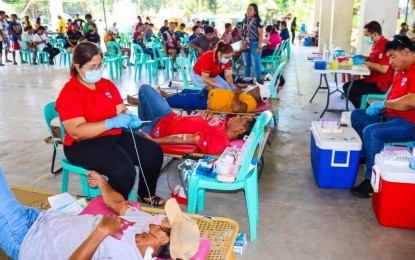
[28, 233]
[217, 99]
[210, 134]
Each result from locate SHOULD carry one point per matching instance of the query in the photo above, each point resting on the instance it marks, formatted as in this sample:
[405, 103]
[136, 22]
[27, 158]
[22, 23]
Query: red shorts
[16, 46]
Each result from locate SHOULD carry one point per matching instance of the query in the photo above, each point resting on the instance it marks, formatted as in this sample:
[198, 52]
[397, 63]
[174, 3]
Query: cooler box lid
[393, 173]
[347, 140]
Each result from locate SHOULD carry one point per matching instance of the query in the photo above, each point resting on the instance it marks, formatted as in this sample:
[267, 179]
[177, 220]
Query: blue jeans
[198, 81]
[15, 220]
[375, 134]
[152, 107]
[189, 99]
[251, 57]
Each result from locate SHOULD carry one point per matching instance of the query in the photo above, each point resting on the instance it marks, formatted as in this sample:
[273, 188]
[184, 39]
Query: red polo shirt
[208, 63]
[378, 55]
[403, 83]
[213, 137]
[76, 100]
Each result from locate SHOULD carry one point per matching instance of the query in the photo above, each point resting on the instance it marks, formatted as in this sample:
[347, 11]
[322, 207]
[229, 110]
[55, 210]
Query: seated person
[27, 43]
[92, 35]
[381, 74]
[48, 234]
[208, 67]
[171, 42]
[210, 134]
[148, 32]
[272, 41]
[284, 33]
[43, 44]
[224, 100]
[227, 34]
[392, 120]
[110, 36]
[206, 42]
[73, 37]
[180, 31]
[197, 31]
[138, 37]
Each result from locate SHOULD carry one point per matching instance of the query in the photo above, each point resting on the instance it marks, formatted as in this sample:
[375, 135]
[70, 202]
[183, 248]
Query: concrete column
[317, 11]
[325, 24]
[56, 8]
[341, 26]
[382, 11]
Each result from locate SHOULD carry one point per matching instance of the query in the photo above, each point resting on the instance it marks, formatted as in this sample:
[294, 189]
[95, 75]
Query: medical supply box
[334, 155]
[393, 197]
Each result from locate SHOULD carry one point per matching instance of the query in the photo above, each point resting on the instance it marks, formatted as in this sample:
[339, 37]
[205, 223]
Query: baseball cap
[264, 90]
[184, 235]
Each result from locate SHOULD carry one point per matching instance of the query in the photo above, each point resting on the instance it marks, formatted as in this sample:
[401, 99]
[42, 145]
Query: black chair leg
[53, 163]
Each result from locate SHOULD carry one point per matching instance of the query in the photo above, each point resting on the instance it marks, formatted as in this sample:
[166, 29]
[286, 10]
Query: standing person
[94, 115]
[79, 21]
[92, 35]
[43, 44]
[61, 28]
[6, 35]
[272, 41]
[27, 43]
[16, 31]
[26, 22]
[392, 120]
[284, 34]
[253, 37]
[88, 18]
[212, 63]
[227, 35]
[2, 37]
[37, 23]
[294, 28]
[381, 74]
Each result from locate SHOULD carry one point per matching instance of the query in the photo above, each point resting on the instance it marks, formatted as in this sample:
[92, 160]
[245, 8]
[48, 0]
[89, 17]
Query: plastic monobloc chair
[247, 178]
[50, 113]
[184, 66]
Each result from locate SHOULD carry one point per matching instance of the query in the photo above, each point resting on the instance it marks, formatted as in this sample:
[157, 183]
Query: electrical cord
[140, 167]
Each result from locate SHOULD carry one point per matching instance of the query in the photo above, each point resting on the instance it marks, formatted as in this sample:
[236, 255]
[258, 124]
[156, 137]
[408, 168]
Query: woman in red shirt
[94, 115]
[212, 63]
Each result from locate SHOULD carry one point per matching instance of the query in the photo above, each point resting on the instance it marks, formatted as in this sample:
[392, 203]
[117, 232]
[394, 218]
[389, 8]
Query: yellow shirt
[221, 100]
[62, 26]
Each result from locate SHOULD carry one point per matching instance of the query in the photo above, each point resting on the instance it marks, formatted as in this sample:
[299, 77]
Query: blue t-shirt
[16, 28]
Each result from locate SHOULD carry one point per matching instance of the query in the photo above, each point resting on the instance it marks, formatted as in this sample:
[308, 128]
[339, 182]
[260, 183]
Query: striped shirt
[253, 31]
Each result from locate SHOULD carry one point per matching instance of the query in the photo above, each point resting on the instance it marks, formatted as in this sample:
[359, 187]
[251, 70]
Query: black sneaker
[363, 190]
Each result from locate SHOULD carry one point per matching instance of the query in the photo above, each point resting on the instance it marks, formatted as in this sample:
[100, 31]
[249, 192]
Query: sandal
[155, 200]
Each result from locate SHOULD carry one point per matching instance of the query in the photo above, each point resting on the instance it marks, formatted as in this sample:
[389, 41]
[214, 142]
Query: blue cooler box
[335, 156]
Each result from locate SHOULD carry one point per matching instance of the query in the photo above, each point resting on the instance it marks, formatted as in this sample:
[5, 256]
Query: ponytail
[223, 48]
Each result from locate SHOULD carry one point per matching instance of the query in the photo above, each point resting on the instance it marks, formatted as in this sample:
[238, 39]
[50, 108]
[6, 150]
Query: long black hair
[255, 6]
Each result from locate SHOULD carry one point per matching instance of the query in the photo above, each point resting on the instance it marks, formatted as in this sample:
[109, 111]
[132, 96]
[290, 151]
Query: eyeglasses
[94, 67]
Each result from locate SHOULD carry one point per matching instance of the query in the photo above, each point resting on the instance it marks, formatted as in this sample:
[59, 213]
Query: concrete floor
[297, 219]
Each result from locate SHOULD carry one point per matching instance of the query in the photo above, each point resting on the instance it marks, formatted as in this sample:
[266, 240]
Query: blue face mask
[224, 60]
[92, 77]
[368, 40]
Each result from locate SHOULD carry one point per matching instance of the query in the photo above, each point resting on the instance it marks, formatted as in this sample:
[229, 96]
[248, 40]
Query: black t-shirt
[80, 22]
[163, 29]
[92, 37]
[74, 36]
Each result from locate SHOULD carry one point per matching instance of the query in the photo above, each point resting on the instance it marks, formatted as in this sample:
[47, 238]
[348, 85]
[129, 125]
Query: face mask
[224, 60]
[368, 40]
[92, 77]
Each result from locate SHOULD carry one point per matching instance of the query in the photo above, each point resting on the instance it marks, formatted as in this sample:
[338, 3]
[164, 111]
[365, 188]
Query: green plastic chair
[26, 56]
[274, 59]
[162, 58]
[247, 178]
[193, 56]
[185, 66]
[64, 54]
[114, 52]
[365, 98]
[143, 59]
[50, 113]
[125, 41]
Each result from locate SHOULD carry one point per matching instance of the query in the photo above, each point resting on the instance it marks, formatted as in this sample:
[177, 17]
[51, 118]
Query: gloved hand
[121, 120]
[222, 85]
[233, 86]
[375, 108]
[135, 121]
